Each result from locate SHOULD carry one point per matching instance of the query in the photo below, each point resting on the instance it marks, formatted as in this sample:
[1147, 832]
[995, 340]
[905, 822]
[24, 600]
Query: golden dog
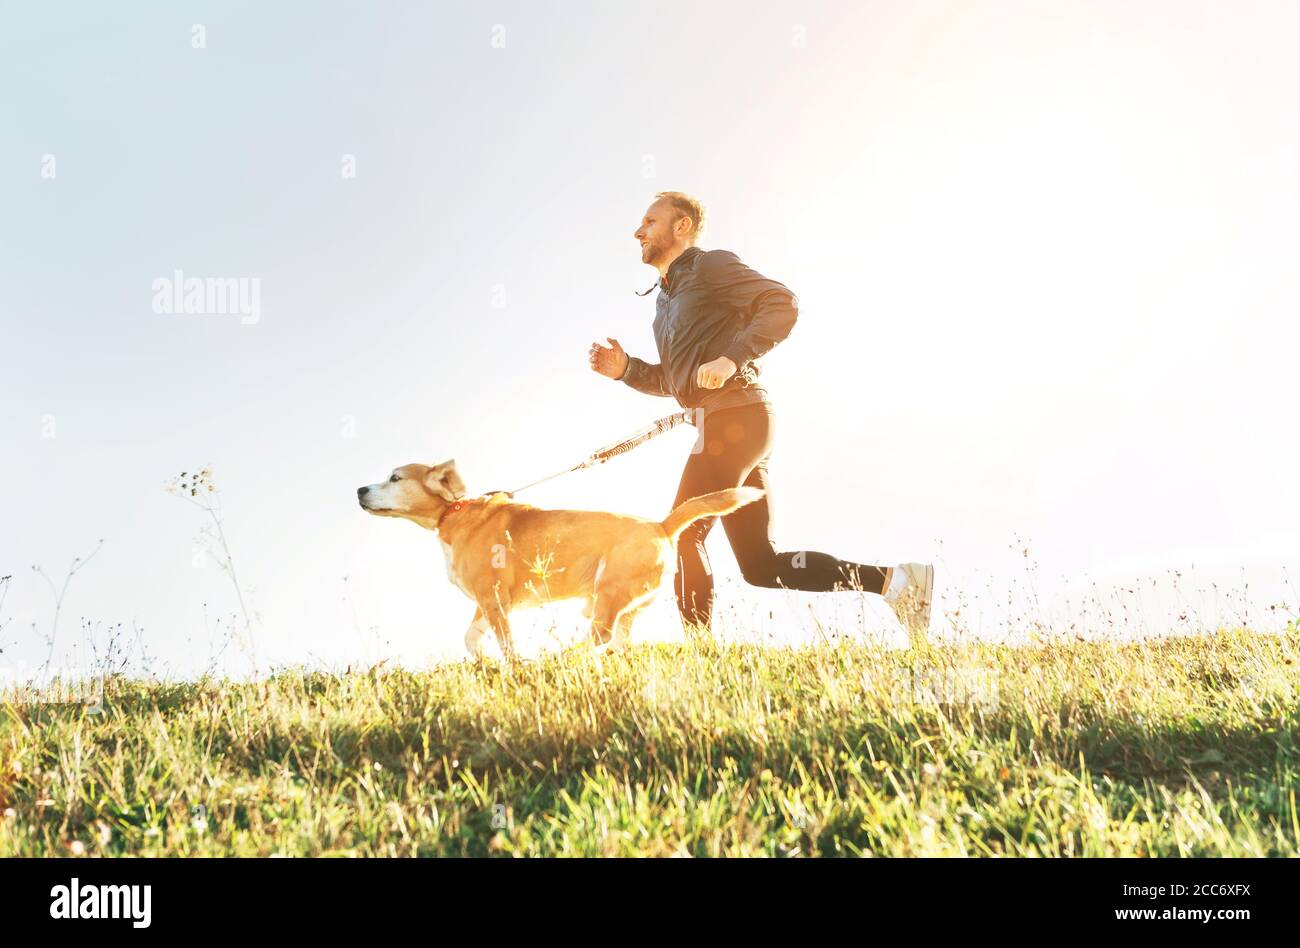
[507, 556]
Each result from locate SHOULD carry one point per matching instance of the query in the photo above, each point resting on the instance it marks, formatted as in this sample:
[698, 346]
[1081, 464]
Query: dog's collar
[457, 505]
[452, 508]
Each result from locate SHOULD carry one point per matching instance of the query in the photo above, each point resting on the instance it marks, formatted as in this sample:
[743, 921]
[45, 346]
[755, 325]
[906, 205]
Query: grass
[1178, 747]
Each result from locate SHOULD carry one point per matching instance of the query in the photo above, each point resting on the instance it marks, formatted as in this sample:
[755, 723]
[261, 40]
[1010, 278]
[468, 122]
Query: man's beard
[653, 252]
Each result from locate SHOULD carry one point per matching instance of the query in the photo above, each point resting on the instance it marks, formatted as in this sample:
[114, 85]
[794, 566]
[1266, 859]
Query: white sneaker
[912, 605]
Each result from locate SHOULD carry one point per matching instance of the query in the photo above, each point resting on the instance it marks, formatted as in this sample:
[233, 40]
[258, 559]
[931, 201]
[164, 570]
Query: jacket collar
[682, 263]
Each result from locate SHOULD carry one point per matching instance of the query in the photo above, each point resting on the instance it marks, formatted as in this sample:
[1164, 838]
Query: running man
[714, 317]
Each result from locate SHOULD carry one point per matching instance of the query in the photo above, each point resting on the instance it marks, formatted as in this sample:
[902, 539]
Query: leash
[652, 430]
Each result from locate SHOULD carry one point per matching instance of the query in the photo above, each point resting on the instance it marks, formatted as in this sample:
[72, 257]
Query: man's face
[657, 234]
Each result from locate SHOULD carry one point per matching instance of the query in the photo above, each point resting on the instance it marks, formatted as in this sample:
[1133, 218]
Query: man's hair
[686, 206]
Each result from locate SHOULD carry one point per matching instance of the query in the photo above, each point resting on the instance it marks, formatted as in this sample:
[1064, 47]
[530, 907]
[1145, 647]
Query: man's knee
[763, 571]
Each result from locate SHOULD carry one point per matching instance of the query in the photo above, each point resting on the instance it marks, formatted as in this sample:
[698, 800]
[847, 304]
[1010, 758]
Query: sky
[1044, 251]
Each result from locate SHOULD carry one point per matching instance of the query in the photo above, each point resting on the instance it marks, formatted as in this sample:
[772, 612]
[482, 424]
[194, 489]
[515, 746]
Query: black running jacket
[710, 305]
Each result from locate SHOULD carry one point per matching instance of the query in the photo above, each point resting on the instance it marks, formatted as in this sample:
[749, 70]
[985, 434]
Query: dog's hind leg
[624, 586]
[474, 634]
[613, 611]
[623, 627]
[497, 615]
[604, 615]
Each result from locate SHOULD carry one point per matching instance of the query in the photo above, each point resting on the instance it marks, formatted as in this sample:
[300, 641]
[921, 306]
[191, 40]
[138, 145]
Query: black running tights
[736, 445]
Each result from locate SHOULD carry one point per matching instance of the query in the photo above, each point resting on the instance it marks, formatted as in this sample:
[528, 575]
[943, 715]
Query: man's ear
[445, 481]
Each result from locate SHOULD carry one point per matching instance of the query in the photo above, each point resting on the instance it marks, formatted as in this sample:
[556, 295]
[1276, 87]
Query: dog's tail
[708, 505]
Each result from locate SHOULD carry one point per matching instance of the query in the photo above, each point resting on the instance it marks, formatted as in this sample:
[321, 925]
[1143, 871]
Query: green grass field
[1176, 747]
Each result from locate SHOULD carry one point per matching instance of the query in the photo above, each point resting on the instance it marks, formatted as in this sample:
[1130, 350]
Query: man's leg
[732, 442]
[735, 449]
[740, 442]
[694, 580]
[749, 530]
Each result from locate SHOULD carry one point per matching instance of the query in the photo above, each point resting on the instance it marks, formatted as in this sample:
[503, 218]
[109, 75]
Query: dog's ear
[445, 481]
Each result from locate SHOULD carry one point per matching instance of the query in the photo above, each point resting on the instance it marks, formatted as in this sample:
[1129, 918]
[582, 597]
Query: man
[714, 317]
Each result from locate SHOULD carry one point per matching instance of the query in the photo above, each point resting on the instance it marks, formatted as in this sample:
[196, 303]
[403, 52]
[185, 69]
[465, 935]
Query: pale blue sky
[1045, 253]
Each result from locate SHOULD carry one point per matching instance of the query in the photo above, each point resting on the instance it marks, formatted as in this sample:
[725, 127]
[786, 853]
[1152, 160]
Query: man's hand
[609, 362]
[715, 374]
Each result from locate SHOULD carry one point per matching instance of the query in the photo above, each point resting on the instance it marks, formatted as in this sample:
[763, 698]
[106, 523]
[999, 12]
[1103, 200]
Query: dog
[506, 555]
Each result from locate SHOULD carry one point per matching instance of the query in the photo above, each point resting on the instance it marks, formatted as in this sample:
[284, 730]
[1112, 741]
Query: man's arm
[645, 377]
[613, 363]
[771, 308]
